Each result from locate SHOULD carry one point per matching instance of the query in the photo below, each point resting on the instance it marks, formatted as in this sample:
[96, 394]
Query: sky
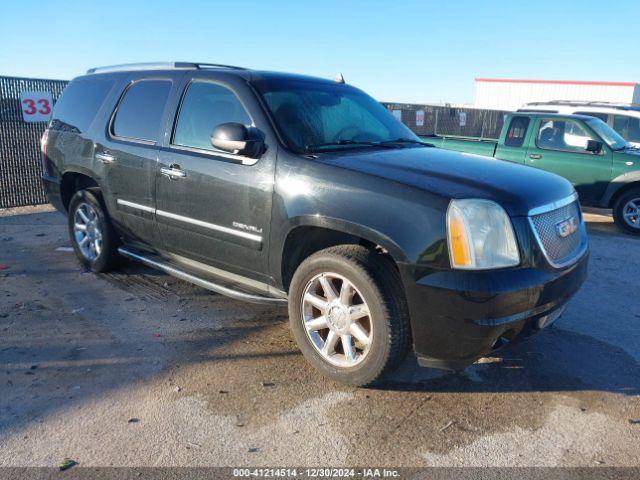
[402, 51]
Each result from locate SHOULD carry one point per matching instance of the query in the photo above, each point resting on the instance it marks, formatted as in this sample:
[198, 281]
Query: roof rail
[202, 66]
[159, 66]
[586, 103]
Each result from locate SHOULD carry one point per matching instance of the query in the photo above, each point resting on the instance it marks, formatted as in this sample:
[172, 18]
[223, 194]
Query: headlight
[480, 235]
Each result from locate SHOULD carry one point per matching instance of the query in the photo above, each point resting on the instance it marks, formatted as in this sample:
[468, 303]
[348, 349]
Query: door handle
[105, 157]
[173, 172]
[535, 156]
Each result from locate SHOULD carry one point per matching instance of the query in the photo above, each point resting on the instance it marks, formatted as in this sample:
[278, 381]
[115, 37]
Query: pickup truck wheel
[348, 314]
[94, 241]
[626, 211]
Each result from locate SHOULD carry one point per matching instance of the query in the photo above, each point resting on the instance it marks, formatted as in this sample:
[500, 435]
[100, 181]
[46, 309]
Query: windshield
[318, 116]
[608, 134]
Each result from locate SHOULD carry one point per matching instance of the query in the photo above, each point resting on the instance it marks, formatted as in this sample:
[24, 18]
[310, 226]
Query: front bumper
[459, 316]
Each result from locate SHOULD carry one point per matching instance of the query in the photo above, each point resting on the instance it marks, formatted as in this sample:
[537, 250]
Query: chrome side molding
[137, 206]
[211, 226]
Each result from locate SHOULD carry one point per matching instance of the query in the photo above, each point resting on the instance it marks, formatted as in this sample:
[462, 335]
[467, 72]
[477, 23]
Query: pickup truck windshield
[315, 116]
[608, 134]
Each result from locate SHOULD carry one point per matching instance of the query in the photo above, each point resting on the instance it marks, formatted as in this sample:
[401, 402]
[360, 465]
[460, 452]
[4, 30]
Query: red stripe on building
[557, 82]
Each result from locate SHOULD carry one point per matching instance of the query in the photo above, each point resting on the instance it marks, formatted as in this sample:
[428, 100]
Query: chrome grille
[559, 250]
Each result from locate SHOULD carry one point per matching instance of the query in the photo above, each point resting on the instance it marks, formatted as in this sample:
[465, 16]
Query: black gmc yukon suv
[274, 188]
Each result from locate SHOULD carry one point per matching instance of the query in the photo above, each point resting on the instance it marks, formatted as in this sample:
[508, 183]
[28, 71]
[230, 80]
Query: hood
[633, 151]
[449, 174]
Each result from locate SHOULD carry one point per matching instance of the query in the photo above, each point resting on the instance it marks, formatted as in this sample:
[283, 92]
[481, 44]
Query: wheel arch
[620, 185]
[73, 181]
[310, 234]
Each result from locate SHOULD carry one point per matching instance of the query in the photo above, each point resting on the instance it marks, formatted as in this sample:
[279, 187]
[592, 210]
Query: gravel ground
[134, 368]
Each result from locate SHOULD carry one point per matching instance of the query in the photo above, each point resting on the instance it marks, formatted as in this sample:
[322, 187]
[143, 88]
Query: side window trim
[213, 154]
[140, 141]
[541, 122]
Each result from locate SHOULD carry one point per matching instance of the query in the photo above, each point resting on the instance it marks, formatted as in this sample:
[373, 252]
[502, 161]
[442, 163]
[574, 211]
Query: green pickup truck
[603, 167]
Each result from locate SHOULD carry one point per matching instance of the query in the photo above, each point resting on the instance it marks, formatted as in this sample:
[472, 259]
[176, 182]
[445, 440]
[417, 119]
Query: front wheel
[348, 314]
[626, 211]
[94, 240]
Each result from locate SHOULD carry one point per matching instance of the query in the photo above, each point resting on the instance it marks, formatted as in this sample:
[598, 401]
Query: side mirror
[236, 138]
[594, 146]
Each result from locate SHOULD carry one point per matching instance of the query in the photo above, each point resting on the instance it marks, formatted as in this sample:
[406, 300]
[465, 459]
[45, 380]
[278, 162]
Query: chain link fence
[20, 162]
[20, 159]
[426, 120]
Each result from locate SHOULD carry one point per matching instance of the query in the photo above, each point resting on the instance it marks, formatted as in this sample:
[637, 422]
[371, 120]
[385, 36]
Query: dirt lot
[136, 368]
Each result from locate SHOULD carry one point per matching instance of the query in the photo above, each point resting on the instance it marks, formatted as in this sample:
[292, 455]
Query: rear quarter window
[517, 131]
[139, 113]
[79, 103]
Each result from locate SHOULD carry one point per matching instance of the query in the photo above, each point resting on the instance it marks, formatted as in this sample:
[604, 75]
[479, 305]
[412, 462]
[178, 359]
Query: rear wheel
[348, 314]
[94, 240]
[626, 211]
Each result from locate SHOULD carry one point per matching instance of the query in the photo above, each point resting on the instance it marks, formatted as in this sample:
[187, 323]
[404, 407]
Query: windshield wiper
[407, 140]
[309, 148]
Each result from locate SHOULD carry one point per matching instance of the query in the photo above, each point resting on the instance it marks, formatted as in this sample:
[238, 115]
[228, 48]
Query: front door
[214, 207]
[559, 146]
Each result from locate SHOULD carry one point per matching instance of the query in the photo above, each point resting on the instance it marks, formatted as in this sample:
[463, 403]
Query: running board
[201, 282]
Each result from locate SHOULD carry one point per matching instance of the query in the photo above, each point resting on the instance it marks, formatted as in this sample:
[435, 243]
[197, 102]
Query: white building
[505, 94]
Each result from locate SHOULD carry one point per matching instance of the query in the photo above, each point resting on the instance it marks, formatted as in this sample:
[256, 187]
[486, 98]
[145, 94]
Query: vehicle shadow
[555, 360]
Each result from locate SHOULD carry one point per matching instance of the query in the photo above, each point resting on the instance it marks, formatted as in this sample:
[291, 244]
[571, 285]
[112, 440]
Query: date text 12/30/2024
[316, 472]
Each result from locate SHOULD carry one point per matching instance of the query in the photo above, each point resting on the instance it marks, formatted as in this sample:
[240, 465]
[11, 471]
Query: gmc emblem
[567, 227]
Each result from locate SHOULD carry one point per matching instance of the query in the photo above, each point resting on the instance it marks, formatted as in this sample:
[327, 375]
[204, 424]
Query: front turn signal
[459, 241]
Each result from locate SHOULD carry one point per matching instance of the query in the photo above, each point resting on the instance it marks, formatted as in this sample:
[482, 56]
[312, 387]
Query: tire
[624, 214]
[99, 252]
[382, 337]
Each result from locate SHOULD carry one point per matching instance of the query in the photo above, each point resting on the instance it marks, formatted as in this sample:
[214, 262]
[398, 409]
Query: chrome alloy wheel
[86, 231]
[337, 319]
[631, 213]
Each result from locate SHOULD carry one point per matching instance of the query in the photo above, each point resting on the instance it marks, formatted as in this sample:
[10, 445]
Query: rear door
[215, 207]
[127, 154]
[558, 145]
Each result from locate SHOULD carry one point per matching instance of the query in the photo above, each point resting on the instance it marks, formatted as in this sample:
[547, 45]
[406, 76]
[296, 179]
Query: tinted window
[517, 131]
[565, 135]
[205, 106]
[79, 103]
[627, 127]
[602, 116]
[139, 113]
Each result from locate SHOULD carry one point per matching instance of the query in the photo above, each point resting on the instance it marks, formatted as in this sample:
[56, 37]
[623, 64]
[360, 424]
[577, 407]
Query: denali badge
[567, 227]
[249, 228]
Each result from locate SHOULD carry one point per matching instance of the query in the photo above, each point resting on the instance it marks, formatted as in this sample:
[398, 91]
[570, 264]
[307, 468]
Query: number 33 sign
[36, 106]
